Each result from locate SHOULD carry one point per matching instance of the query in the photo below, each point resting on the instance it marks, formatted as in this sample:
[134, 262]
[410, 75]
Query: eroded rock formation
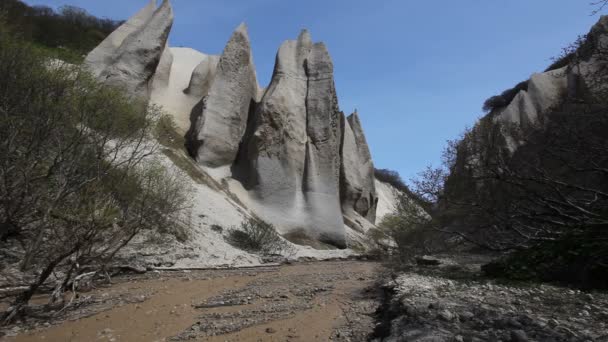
[218, 131]
[507, 128]
[358, 191]
[134, 63]
[300, 164]
[104, 54]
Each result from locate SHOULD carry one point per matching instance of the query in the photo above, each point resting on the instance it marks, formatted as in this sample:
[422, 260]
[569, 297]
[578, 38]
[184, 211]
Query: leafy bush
[405, 234]
[77, 173]
[257, 236]
[68, 34]
[167, 133]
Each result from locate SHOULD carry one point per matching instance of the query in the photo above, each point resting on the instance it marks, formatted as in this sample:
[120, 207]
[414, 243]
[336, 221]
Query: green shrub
[167, 133]
[67, 34]
[257, 236]
[77, 169]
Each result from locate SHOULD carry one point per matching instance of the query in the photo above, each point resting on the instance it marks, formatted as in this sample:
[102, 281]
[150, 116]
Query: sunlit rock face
[290, 158]
[217, 132]
[357, 188]
[133, 64]
[286, 151]
[104, 55]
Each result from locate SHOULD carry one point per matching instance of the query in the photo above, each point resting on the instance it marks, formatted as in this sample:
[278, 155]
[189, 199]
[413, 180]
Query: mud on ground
[301, 302]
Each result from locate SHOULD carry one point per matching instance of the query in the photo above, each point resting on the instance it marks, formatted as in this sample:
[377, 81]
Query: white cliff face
[103, 55]
[388, 199]
[358, 191]
[289, 161]
[162, 76]
[218, 131]
[202, 77]
[134, 63]
[174, 96]
[285, 151]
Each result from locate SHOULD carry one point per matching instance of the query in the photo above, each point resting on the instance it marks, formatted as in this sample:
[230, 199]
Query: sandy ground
[301, 302]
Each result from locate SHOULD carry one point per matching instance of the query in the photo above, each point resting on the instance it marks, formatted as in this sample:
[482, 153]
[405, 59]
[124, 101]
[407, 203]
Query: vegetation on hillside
[67, 34]
[544, 205]
[394, 179]
[78, 180]
[257, 236]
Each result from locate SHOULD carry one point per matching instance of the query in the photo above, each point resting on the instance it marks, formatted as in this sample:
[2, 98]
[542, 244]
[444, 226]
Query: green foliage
[257, 236]
[167, 133]
[68, 34]
[406, 233]
[77, 171]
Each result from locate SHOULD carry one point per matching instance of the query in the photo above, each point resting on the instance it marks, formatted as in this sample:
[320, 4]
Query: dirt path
[302, 302]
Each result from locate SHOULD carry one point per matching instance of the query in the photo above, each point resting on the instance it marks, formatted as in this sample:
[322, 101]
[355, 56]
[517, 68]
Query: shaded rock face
[357, 188]
[531, 109]
[218, 131]
[297, 162]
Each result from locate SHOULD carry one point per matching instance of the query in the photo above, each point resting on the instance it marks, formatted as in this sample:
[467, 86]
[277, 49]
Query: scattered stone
[519, 336]
[427, 261]
[446, 315]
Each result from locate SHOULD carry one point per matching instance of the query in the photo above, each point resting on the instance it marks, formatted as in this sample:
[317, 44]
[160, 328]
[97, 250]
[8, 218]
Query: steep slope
[530, 170]
[175, 96]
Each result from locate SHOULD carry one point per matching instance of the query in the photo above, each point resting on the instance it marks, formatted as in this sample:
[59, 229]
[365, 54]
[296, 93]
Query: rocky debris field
[451, 302]
[318, 301]
[323, 301]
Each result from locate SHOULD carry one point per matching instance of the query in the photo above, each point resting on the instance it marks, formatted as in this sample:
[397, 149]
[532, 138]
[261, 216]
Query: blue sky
[417, 71]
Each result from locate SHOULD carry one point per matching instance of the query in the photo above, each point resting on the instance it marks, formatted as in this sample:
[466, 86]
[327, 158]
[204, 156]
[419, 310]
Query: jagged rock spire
[290, 158]
[137, 58]
[217, 133]
[357, 188]
[103, 55]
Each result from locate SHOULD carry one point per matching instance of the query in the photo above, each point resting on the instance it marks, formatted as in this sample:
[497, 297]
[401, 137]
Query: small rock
[427, 261]
[519, 336]
[446, 315]
[467, 315]
[270, 331]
